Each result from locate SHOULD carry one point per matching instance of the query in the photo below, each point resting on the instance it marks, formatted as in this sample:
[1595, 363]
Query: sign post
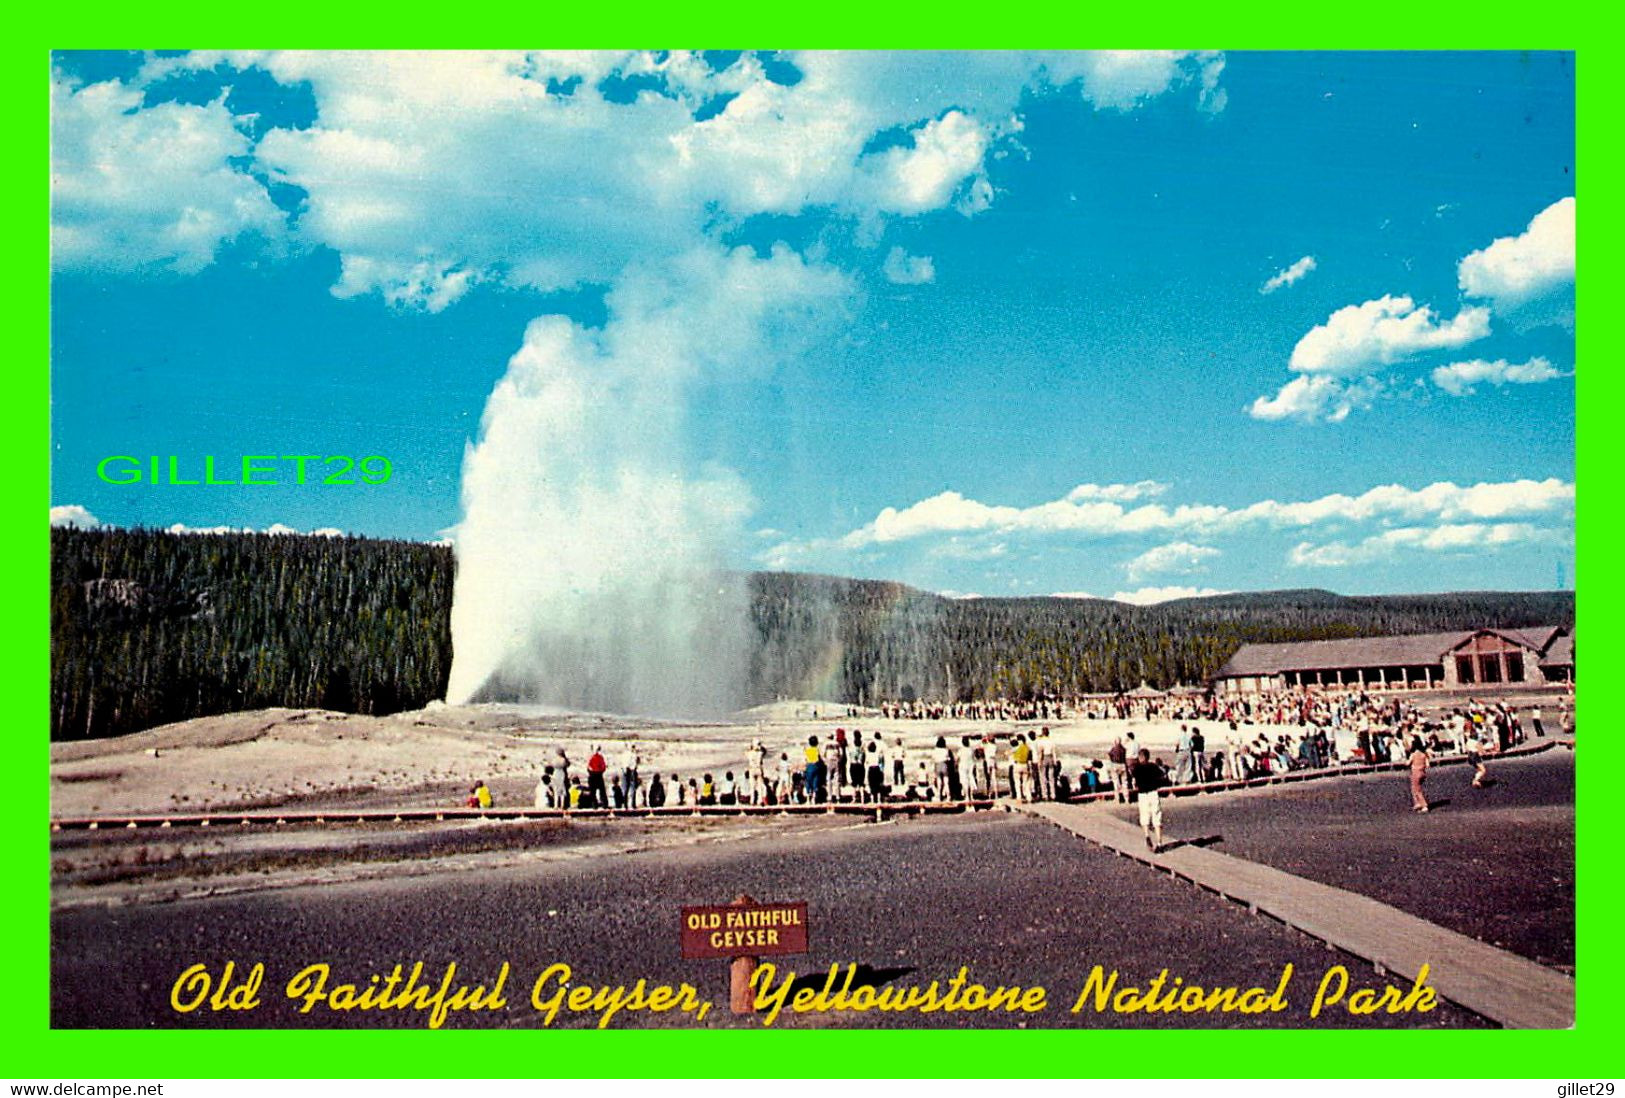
[743, 931]
[740, 998]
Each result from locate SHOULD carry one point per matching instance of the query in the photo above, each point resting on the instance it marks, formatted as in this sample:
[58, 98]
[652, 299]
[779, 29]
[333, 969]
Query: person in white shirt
[877, 769]
[783, 783]
[944, 760]
[1045, 759]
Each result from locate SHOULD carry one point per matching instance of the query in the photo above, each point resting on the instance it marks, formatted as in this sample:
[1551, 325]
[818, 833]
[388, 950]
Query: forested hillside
[149, 627]
[853, 640]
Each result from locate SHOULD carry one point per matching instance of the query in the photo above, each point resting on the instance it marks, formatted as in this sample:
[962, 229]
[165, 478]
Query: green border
[37, 1051]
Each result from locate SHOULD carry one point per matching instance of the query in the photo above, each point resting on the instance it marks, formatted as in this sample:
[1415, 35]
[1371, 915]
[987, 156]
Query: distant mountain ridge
[149, 627]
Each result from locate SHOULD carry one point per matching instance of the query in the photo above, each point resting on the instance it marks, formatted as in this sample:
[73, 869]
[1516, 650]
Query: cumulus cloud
[1514, 270]
[1443, 500]
[925, 175]
[1336, 362]
[1288, 275]
[138, 188]
[908, 270]
[1176, 556]
[951, 512]
[1093, 516]
[1448, 538]
[1125, 79]
[1150, 596]
[72, 514]
[431, 173]
[1357, 339]
[1317, 398]
[1459, 378]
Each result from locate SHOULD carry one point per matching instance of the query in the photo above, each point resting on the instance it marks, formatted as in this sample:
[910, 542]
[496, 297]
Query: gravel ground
[1016, 901]
[1494, 863]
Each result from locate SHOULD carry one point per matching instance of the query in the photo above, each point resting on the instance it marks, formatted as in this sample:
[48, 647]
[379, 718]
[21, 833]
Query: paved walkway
[1504, 987]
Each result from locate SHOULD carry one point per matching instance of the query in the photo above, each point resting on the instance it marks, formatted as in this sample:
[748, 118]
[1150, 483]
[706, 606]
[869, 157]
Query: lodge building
[1474, 658]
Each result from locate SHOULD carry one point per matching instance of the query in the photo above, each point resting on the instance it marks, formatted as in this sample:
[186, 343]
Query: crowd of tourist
[995, 709]
[1243, 739]
[841, 768]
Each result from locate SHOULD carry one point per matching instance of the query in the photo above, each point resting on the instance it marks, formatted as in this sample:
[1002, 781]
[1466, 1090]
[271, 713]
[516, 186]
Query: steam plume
[591, 553]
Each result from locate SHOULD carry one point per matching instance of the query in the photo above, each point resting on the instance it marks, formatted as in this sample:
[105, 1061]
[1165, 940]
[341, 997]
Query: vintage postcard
[770, 540]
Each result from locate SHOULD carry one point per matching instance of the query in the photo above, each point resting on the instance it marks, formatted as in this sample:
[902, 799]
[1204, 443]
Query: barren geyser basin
[431, 757]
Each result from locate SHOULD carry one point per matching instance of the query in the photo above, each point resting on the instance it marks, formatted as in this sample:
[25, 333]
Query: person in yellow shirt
[1021, 769]
[482, 795]
[812, 779]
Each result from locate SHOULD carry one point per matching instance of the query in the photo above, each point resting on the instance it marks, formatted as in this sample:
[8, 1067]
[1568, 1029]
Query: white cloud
[1357, 339]
[1288, 275]
[1449, 538]
[430, 173]
[908, 270]
[1315, 398]
[1122, 493]
[320, 532]
[1124, 79]
[944, 153]
[1458, 378]
[1150, 596]
[1336, 361]
[182, 528]
[72, 514]
[75, 515]
[1514, 270]
[1090, 509]
[1442, 500]
[950, 514]
[136, 188]
[1073, 595]
[1176, 556]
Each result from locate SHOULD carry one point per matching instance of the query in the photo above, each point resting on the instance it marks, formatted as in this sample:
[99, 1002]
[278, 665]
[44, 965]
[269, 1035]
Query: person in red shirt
[595, 779]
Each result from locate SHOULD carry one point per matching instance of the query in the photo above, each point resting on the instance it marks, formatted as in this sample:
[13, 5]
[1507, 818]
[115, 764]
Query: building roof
[1561, 653]
[1403, 651]
[1538, 637]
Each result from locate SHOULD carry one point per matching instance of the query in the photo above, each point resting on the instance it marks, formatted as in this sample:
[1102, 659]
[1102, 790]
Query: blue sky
[1003, 324]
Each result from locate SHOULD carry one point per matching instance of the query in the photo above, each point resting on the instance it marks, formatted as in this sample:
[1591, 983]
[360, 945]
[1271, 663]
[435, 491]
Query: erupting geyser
[591, 567]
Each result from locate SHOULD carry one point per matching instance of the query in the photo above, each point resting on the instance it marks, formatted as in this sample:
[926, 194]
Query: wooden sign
[744, 930]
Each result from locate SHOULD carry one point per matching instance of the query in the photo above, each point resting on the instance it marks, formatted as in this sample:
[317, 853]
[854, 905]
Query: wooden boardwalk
[1504, 987]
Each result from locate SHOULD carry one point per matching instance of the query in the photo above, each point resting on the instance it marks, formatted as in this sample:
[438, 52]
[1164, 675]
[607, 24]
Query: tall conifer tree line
[149, 627]
[866, 641]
